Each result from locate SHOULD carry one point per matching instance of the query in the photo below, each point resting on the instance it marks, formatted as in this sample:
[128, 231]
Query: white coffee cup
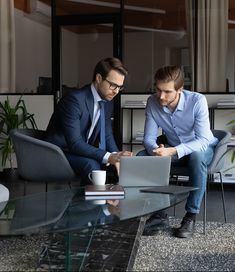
[98, 177]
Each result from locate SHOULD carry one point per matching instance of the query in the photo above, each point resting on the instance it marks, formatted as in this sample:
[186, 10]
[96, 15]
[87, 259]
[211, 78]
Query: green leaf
[233, 156]
[12, 117]
[231, 122]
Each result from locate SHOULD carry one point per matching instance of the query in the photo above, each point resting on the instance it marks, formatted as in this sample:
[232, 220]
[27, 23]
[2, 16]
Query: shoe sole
[185, 235]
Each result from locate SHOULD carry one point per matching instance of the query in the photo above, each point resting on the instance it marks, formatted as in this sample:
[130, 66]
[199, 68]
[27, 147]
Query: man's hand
[113, 202]
[114, 158]
[113, 207]
[164, 151]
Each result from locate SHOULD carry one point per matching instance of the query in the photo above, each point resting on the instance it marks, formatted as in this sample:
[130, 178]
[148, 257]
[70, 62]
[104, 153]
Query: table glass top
[66, 210]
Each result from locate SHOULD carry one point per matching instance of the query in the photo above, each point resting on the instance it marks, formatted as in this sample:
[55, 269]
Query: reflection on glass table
[75, 219]
[65, 210]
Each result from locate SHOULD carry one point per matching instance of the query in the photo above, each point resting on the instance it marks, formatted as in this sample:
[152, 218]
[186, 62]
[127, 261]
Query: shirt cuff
[150, 150]
[106, 158]
[106, 210]
[180, 151]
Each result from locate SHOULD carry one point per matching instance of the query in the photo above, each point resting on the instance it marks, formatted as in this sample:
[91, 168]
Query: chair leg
[46, 184]
[177, 183]
[174, 210]
[222, 194]
[204, 213]
[25, 182]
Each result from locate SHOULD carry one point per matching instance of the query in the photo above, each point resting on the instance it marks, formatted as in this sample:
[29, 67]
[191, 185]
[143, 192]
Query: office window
[155, 35]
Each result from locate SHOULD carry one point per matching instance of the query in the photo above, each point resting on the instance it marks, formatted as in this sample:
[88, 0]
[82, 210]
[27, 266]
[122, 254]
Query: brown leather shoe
[186, 230]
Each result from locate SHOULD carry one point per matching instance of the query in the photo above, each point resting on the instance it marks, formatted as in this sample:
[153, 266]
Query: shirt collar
[181, 103]
[95, 94]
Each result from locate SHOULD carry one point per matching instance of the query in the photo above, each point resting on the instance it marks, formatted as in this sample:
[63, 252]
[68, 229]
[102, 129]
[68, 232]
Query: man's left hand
[164, 151]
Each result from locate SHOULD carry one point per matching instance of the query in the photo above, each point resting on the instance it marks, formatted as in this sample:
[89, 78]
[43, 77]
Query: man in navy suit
[75, 124]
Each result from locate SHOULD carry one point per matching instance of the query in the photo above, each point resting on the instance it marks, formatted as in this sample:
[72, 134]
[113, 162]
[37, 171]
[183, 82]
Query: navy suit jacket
[71, 121]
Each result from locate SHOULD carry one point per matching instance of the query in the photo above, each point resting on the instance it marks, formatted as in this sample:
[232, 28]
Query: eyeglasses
[113, 86]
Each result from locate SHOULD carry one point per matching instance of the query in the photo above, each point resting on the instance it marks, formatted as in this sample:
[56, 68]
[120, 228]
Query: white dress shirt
[96, 116]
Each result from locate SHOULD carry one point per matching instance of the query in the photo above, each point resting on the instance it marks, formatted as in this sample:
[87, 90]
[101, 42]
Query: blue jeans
[197, 163]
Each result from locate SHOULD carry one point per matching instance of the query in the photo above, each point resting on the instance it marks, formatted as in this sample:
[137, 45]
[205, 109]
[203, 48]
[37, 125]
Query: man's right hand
[115, 157]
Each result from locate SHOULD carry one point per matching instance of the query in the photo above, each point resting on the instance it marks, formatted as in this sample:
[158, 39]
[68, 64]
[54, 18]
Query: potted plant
[12, 116]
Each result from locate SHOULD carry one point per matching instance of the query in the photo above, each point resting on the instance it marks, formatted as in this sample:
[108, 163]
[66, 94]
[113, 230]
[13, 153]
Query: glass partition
[82, 46]
[155, 35]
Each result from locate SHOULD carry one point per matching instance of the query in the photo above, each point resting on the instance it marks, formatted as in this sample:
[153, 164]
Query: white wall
[33, 53]
[70, 63]
[92, 48]
[231, 60]
[145, 52]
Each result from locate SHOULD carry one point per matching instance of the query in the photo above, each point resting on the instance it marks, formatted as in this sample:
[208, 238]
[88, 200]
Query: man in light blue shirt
[183, 116]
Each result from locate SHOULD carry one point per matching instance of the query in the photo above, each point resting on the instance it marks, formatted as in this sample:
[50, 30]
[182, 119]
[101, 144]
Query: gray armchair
[216, 166]
[39, 160]
[4, 197]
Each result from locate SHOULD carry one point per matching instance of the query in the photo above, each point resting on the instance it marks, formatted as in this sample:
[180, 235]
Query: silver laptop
[144, 171]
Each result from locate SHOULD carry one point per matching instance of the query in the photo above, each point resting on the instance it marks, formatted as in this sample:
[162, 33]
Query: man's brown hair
[170, 73]
[104, 66]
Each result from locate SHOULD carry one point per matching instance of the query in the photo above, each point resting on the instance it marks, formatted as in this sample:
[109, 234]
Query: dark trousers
[82, 166]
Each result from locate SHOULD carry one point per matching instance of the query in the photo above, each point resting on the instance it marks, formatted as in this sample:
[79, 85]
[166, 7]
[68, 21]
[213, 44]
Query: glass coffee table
[67, 212]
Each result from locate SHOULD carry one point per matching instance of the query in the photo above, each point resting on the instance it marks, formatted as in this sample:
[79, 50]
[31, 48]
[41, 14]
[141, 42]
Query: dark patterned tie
[102, 144]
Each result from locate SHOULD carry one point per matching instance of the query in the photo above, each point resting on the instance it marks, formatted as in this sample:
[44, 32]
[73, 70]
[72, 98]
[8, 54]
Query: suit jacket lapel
[90, 103]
